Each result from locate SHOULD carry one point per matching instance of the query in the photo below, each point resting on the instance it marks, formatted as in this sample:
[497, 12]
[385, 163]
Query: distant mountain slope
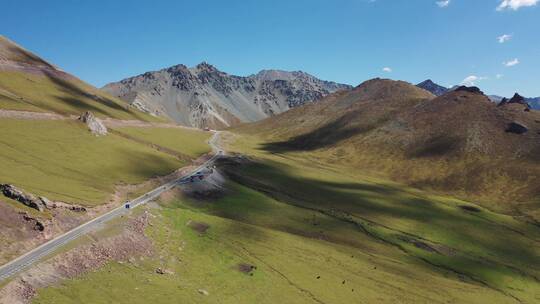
[459, 143]
[432, 87]
[203, 96]
[29, 83]
[534, 102]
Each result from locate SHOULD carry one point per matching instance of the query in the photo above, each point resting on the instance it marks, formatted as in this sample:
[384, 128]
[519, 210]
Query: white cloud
[512, 62]
[387, 69]
[443, 3]
[515, 4]
[499, 76]
[472, 80]
[504, 38]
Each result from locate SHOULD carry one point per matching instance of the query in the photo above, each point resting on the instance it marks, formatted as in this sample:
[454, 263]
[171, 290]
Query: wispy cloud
[515, 4]
[511, 63]
[504, 38]
[443, 3]
[472, 80]
[499, 76]
[387, 69]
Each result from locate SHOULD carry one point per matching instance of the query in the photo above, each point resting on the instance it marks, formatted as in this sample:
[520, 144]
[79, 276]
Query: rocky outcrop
[203, 96]
[16, 194]
[60, 205]
[516, 99]
[94, 124]
[474, 90]
[39, 203]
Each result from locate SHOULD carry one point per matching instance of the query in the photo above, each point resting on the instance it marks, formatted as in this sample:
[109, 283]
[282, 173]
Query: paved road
[17, 265]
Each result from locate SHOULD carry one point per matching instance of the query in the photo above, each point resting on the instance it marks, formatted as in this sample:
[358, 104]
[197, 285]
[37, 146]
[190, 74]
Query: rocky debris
[516, 128]
[18, 291]
[203, 292]
[474, 90]
[80, 260]
[38, 226]
[27, 199]
[516, 99]
[95, 125]
[60, 205]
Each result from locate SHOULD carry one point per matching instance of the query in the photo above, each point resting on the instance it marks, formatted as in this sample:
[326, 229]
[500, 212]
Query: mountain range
[439, 90]
[203, 96]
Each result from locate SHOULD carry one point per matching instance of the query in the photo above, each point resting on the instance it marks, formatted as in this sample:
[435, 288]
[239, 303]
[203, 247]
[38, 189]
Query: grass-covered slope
[315, 235]
[455, 144]
[29, 83]
[182, 140]
[62, 160]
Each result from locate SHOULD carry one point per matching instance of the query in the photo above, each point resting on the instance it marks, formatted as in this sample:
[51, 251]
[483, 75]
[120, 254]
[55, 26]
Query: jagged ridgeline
[203, 96]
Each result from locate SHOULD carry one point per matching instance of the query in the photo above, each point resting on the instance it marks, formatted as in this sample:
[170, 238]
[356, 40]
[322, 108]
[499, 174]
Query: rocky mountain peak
[203, 96]
[517, 99]
[205, 66]
[432, 87]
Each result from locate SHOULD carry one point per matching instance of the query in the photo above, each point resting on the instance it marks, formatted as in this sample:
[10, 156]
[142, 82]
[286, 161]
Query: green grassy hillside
[63, 95]
[316, 234]
[29, 83]
[182, 140]
[62, 160]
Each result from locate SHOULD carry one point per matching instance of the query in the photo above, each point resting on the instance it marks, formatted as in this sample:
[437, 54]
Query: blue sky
[341, 40]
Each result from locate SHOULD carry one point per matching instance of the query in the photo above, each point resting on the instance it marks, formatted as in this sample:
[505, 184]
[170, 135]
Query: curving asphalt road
[24, 261]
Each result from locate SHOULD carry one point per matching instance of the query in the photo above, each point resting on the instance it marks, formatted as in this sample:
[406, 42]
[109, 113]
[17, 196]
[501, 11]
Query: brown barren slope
[459, 143]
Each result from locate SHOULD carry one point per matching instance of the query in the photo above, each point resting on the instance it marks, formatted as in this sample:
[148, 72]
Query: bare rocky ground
[123, 247]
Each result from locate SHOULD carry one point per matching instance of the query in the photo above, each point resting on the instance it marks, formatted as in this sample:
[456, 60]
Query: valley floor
[286, 228]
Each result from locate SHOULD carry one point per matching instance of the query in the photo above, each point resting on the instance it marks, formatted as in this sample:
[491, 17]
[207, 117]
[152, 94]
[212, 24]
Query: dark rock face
[432, 87]
[516, 128]
[29, 200]
[475, 90]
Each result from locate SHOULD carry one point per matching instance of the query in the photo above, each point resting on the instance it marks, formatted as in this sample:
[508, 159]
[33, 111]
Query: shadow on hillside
[328, 135]
[406, 215]
[79, 96]
[436, 146]
[27, 56]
